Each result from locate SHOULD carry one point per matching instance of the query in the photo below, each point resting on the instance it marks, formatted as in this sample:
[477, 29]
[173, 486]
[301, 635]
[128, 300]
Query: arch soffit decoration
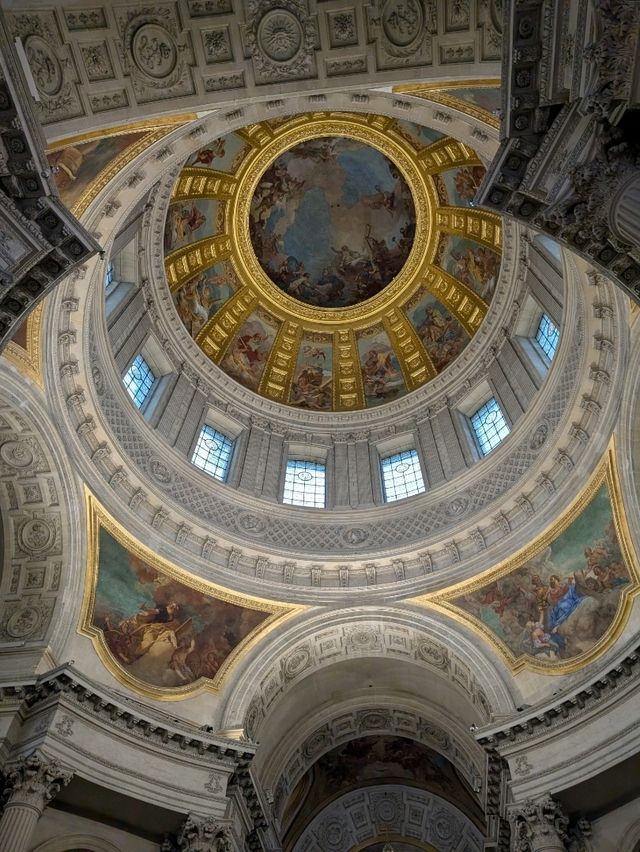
[43, 517]
[77, 841]
[319, 641]
[344, 721]
[365, 815]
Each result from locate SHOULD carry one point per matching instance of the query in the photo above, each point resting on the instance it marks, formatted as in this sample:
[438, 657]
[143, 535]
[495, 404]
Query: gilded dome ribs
[215, 336]
[479, 225]
[197, 182]
[446, 154]
[417, 366]
[278, 374]
[188, 261]
[467, 307]
[344, 266]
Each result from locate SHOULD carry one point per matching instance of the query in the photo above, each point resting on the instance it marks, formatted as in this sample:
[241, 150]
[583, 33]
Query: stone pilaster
[29, 787]
[538, 826]
[203, 834]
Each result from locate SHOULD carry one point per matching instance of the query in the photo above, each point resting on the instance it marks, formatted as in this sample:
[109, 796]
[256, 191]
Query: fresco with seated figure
[332, 222]
[417, 135]
[475, 265]
[223, 154]
[201, 297]
[312, 385]
[381, 371]
[441, 334]
[560, 603]
[248, 352]
[189, 221]
[159, 630]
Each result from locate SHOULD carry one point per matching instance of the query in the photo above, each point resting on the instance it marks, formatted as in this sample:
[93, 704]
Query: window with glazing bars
[489, 425]
[305, 483]
[138, 380]
[108, 278]
[401, 475]
[547, 336]
[213, 453]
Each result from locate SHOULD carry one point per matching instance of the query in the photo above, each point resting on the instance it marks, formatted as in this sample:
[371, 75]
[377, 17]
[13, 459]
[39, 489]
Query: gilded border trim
[97, 518]
[442, 601]
[437, 93]
[29, 361]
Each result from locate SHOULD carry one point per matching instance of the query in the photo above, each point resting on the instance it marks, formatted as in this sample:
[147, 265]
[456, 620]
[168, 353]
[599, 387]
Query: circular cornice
[305, 128]
[523, 487]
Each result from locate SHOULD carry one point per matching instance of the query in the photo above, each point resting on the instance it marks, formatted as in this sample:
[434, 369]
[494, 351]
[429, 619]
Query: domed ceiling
[331, 261]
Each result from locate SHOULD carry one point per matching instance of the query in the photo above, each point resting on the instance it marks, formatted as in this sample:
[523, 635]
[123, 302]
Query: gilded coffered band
[204, 189]
[153, 648]
[597, 597]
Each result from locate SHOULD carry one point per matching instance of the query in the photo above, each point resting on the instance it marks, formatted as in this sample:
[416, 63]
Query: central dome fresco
[332, 222]
[331, 261]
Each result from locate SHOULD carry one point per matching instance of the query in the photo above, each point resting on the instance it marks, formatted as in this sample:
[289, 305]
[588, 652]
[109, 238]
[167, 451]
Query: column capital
[34, 781]
[538, 825]
[203, 834]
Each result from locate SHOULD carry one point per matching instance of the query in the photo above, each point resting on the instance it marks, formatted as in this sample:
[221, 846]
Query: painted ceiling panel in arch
[159, 632]
[331, 227]
[564, 599]
[368, 761]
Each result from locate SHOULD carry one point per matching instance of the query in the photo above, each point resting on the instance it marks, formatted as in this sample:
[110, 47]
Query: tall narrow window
[138, 380]
[489, 426]
[213, 453]
[108, 278]
[401, 475]
[305, 483]
[547, 336]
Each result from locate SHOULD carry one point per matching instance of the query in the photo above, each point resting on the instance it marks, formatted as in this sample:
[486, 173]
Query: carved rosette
[281, 40]
[35, 781]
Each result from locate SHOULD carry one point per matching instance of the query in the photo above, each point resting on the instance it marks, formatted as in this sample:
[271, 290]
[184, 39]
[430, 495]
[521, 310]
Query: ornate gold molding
[278, 374]
[189, 261]
[467, 307]
[479, 225]
[203, 183]
[29, 360]
[417, 366]
[215, 335]
[440, 93]
[447, 154]
[442, 601]
[97, 518]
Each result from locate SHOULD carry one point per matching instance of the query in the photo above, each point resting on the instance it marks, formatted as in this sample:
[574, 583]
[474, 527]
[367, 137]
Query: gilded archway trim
[98, 520]
[445, 601]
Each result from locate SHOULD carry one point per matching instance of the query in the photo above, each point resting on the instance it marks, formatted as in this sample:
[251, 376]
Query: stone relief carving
[154, 52]
[281, 40]
[51, 64]
[200, 834]
[34, 781]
